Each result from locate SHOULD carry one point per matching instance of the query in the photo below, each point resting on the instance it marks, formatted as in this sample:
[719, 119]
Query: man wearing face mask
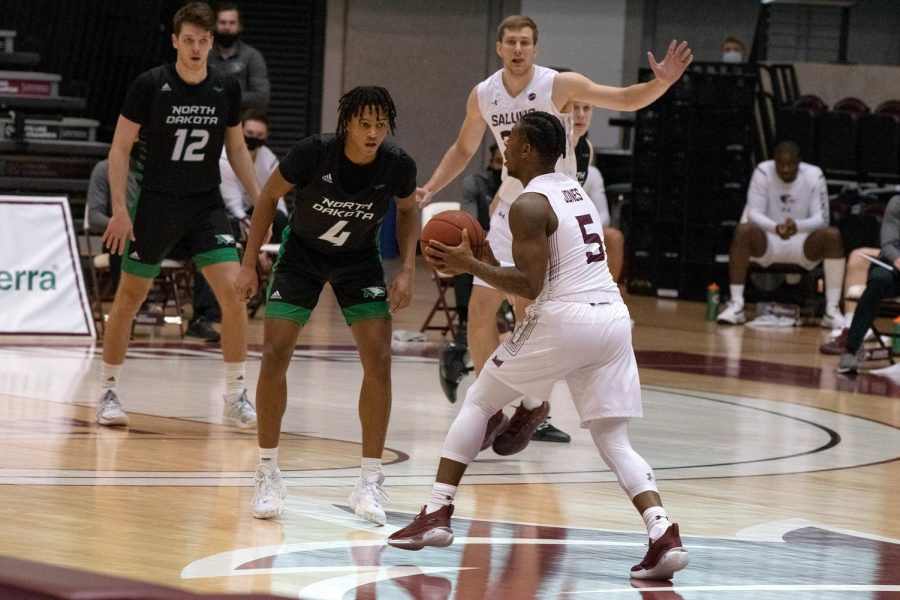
[733, 50]
[235, 58]
[255, 125]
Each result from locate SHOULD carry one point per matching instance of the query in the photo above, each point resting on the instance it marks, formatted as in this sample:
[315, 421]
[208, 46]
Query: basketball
[446, 227]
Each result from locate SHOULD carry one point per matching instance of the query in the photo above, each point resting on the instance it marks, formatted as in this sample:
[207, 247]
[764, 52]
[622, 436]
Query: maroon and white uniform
[578, 328]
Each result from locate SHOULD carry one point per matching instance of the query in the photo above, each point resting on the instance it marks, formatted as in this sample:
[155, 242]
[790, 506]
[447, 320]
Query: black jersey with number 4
[182, 128]
[328, 218]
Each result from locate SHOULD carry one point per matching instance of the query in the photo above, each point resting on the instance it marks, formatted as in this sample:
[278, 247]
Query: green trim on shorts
[137, 269]
[219, 255]
[369, 310]
[289, 312]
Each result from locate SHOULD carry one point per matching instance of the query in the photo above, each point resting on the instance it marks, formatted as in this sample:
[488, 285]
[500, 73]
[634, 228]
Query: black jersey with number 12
[182, 128]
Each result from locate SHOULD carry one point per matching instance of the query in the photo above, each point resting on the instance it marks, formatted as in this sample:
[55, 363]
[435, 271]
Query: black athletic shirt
[328, 218]
[582, 159]
[182, 128]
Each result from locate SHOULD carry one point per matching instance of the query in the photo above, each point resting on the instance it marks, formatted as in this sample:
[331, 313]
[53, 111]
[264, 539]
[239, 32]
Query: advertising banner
[42, 289]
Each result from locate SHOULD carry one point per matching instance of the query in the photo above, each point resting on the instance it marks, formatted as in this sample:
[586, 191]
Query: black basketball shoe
[453, 368]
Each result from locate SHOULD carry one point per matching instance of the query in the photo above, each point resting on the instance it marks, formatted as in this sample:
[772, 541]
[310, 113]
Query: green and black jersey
[182, 128]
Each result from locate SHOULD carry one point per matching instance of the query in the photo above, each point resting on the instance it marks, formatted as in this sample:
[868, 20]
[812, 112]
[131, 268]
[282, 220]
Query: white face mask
[732, 56]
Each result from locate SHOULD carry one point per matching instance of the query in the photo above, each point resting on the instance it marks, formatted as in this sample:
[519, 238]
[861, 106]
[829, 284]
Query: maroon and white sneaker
[664, 557]
[496, 425]
[432, 529]
[521, 427]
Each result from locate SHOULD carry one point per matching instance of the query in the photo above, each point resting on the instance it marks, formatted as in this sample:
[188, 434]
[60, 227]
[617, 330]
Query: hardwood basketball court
[782, 474]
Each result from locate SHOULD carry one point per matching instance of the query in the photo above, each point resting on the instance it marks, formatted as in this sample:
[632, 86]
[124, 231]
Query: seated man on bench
[787, 211]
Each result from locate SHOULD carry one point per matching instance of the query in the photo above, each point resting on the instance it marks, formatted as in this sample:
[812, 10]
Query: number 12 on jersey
[192, 152]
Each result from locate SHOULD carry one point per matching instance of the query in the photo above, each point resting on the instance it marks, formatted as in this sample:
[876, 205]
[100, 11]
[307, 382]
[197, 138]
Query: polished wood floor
[783, 475]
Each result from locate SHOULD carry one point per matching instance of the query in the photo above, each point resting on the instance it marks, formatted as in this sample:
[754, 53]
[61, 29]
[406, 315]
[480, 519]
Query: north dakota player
[344, 183]
[184, 113]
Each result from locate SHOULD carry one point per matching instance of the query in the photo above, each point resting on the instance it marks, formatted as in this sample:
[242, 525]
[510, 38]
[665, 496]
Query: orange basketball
[446, 227]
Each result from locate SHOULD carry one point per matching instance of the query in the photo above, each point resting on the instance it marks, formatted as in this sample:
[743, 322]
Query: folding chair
[444, 283]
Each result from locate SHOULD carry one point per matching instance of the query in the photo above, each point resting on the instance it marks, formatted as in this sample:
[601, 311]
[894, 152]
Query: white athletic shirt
[500, 112]
[577, 270]
[235, 197]
[770, 200]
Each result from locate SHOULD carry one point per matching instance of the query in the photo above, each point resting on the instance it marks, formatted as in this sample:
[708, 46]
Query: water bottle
[712, 302]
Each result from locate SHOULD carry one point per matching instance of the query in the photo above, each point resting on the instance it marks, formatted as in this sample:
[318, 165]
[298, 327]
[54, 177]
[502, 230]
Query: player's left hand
[673, 64]
[400, 290]
[451, 260]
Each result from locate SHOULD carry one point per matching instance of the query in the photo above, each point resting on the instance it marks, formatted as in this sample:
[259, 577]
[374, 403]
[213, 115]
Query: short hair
[226, 5]
[354, 102]
[733, 40]
[195, 13]
[515, 23]
[787, 148]
[255, 114]
[545, 133]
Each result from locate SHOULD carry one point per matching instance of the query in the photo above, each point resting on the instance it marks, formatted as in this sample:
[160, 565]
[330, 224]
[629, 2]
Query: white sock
[109, 376]
[371, 468]
[269, 457]
[737, 293]
[657, 521]
[442, 494]
[531, 403]
[234, 380]
[834, 280]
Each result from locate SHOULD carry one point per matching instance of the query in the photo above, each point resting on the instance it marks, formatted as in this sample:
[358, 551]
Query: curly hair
[354, 102]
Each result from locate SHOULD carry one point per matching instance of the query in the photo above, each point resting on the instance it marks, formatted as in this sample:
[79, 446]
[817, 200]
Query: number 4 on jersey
[334, 234]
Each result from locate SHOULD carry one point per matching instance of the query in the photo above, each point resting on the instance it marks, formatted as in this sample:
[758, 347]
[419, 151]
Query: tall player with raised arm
[498, 102]
[183, 114]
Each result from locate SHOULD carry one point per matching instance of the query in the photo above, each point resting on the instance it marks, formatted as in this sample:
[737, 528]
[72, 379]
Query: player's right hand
[117, 231]
[423, 196]
[245, 284]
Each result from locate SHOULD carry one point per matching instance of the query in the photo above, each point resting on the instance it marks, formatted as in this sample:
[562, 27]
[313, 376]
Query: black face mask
[253, 142]
[495, 175]
[227, 40]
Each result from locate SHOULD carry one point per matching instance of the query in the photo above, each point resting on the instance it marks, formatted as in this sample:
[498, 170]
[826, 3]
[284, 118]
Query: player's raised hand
[673, 64]
[423, 196]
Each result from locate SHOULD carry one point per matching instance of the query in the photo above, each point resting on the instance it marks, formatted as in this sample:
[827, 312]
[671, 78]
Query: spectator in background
[235, 58]
[255, 125]
[787, 212]
[733, 50]
[883, 282]
[99, 205]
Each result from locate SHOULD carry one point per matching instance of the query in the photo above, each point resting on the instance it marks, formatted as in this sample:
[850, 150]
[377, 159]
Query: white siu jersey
[501, 111]
[577, 270]
[770, 201]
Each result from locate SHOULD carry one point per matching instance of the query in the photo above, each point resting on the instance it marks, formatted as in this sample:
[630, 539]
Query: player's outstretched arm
[401, 287]
[575, 87]
[459, 154]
